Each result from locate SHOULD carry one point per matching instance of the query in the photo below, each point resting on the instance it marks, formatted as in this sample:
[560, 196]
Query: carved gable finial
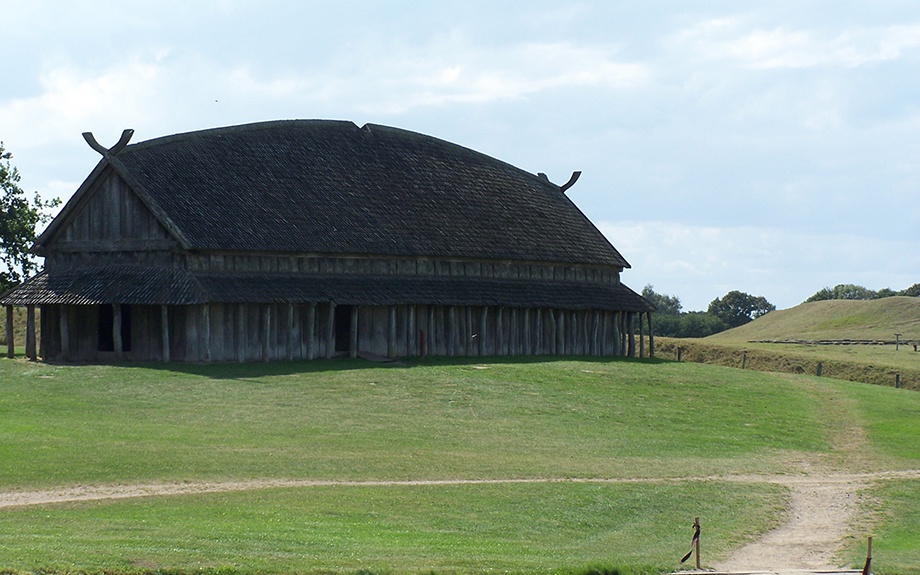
[106, 152]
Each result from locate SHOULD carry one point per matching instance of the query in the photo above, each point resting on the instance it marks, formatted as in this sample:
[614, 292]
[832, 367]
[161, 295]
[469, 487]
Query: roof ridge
[235, 129]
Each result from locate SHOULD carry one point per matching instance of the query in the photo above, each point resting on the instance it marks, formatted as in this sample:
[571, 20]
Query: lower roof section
[139, 285]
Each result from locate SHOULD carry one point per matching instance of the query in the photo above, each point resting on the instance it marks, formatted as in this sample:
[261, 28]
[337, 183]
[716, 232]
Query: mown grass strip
[533, 528]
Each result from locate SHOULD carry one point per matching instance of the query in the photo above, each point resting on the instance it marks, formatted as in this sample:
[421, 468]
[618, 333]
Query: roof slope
[140, 285]
[320, 186]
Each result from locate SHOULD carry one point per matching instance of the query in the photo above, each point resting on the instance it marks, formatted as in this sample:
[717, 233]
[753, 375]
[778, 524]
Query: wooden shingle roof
[329, 187]
[140, 285]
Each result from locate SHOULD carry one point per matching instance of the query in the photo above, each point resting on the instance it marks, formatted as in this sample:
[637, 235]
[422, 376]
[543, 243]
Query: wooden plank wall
[271, 332]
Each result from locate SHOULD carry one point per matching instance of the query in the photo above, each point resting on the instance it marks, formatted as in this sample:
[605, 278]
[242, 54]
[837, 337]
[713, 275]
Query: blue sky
[769, 147]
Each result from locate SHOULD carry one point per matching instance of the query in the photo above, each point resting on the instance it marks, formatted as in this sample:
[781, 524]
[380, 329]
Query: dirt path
[823, 509]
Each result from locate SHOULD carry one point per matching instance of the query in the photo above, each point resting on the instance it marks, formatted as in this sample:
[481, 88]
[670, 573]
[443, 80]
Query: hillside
[834, 320]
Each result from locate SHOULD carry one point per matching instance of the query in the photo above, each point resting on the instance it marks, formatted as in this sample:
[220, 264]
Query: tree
[17, 225]
[737, 308]
[664, 304]
[913, 291]
[844, 291]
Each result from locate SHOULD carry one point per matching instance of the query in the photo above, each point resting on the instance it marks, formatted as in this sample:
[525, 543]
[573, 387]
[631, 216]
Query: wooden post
[631, 328]
[391, 335]
[330, 331]
[641, 338]
[470, 345]
[553, 342]
[353, 333]
[164, 331]
[30, 333]
[241, 339]
[411, 331]
[868, 567]
[897, 380]
[483, 325]
[266, 322]
[696, 545]
[10, 344]
[64, 331]
[651, 337]
[292, 333]
[310, 329]
[451, 330]
[820, 369]
[561, 338]
[119, 346]
[678, 353]
[206, 332]
[538, 340]
[744, 360]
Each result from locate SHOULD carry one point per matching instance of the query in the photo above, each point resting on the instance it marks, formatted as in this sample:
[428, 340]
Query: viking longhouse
[313, 238]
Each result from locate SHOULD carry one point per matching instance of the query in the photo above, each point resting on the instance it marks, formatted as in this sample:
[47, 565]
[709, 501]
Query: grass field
[640, 436]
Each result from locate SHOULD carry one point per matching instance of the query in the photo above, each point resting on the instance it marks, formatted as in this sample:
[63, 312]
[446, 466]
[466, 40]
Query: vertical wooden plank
[310, 330]
[266, 328]
[206, 333]
[500, 335]
[430, 339]
[598, 335]
[551, 344]
[391, 331]
[65, 331]
[10, 344]
[561, 338]
[514, 339]
[641, 336]
[411, 332]
[451, 329]
[240, 332]
[164, 331]
[353, 333]
[291, 333]
[31, 351]
[483, 329]
[651, 337]
[116, 331]
[526, 347]
[330, 331]
[470, 343]
[631, 331]
[538, 329]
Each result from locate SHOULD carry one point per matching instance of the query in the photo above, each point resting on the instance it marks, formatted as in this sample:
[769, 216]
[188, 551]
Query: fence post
[696, 525]
[744, 360]
[678, 353]
[820, 368]
[897, 380]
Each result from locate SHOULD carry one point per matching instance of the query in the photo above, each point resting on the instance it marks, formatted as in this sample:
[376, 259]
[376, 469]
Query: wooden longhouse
[312, 238]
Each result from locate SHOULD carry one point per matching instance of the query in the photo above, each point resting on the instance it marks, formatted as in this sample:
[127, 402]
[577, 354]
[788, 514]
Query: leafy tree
[17, 225]
[912, 291]
[737, 308]
[845, 291]
[885, 292]
[690, 324]
[664, 304]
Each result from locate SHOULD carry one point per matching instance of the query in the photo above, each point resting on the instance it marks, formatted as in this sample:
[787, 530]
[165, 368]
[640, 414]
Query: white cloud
[784, 48]
[74, 100]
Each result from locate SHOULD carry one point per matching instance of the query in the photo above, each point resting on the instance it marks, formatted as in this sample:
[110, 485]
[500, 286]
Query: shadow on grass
[281, 368]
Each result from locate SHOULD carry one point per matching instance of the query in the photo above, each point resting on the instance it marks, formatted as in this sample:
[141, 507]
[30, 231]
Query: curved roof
[321, 186]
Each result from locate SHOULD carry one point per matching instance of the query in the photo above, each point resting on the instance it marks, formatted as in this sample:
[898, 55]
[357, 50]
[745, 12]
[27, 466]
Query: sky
[767, 147]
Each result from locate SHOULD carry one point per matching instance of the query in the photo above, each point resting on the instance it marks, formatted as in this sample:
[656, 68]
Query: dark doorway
[343, 328]
[107, 325]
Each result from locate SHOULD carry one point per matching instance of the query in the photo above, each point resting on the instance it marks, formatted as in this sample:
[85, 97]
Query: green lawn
[438, 419]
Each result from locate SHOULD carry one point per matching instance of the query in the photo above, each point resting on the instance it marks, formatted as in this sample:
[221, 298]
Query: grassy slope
[351, 420]
[825, 320]
[834, 319]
